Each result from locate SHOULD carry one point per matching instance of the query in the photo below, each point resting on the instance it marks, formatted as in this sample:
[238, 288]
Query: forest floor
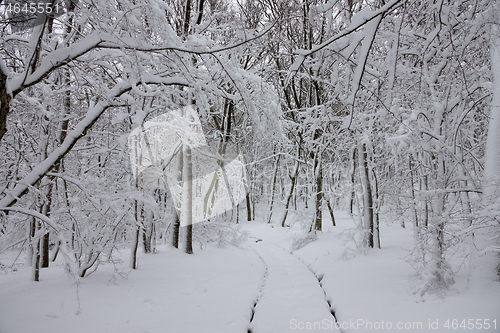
[261, 286]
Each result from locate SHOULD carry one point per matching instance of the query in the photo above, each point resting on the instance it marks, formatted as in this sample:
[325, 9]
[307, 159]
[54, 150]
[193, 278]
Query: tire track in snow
[319, 278]
[290, 296]
[264, 278]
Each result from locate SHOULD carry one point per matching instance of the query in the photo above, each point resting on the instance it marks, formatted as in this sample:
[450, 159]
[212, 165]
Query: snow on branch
[112, 43]
[69, 256]
[34, 213]
[371, 30]
[54, 60]
[357, 22]
[72, 138]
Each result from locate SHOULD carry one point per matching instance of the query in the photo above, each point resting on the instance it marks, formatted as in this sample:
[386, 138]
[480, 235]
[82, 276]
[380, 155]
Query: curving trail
[291, 298]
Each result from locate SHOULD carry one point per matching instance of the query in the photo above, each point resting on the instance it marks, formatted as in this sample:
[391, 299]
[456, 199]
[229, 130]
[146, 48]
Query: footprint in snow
[148, 303]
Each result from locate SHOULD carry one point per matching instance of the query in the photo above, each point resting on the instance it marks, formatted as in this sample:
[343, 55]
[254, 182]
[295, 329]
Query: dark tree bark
[353, 176]
[273, 189]
[45, 251]
[147, 232]
[175, 231]
[177, 222]
[294, 181]
[45, 210]
[376, 209]
[187, 17]
[31, 234]
[412, 188]
[4, 103]
[35, 266]
[319, 195]
[331, 212]
[188, 248]
[56, 251]
[135, 237]
[249, 207]
[367, 195]
[187, 196]
[200, 11]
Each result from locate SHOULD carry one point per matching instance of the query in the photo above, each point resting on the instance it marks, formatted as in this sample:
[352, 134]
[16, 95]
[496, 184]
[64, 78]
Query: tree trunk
[135, 239]
[367, 195]
[436, 265]
[175, 231]
[44, 244]
[56, 251]
[276, 166]
[292, 187]
[187, 202]
[249, 207]
[31, 233]
[306, 189]
[147, 232]
[416, 227]
[187, 17]
[46, 189]
[200, 11]
[177, 222]
[423, 187]
[4, 100]
[35, 265]
[331, 212]
[353, 174]
[319, 194]
[45, 210]
[492, 153]
[188, 246]
[376, 209]
[253, 209]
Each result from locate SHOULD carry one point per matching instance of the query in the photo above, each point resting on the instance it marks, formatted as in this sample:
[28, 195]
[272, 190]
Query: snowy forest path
[291, 297]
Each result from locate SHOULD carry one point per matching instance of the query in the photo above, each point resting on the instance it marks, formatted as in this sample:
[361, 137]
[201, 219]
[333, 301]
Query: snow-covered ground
[371, 293]
[261, 286]
[291, 294]
[211, 291]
